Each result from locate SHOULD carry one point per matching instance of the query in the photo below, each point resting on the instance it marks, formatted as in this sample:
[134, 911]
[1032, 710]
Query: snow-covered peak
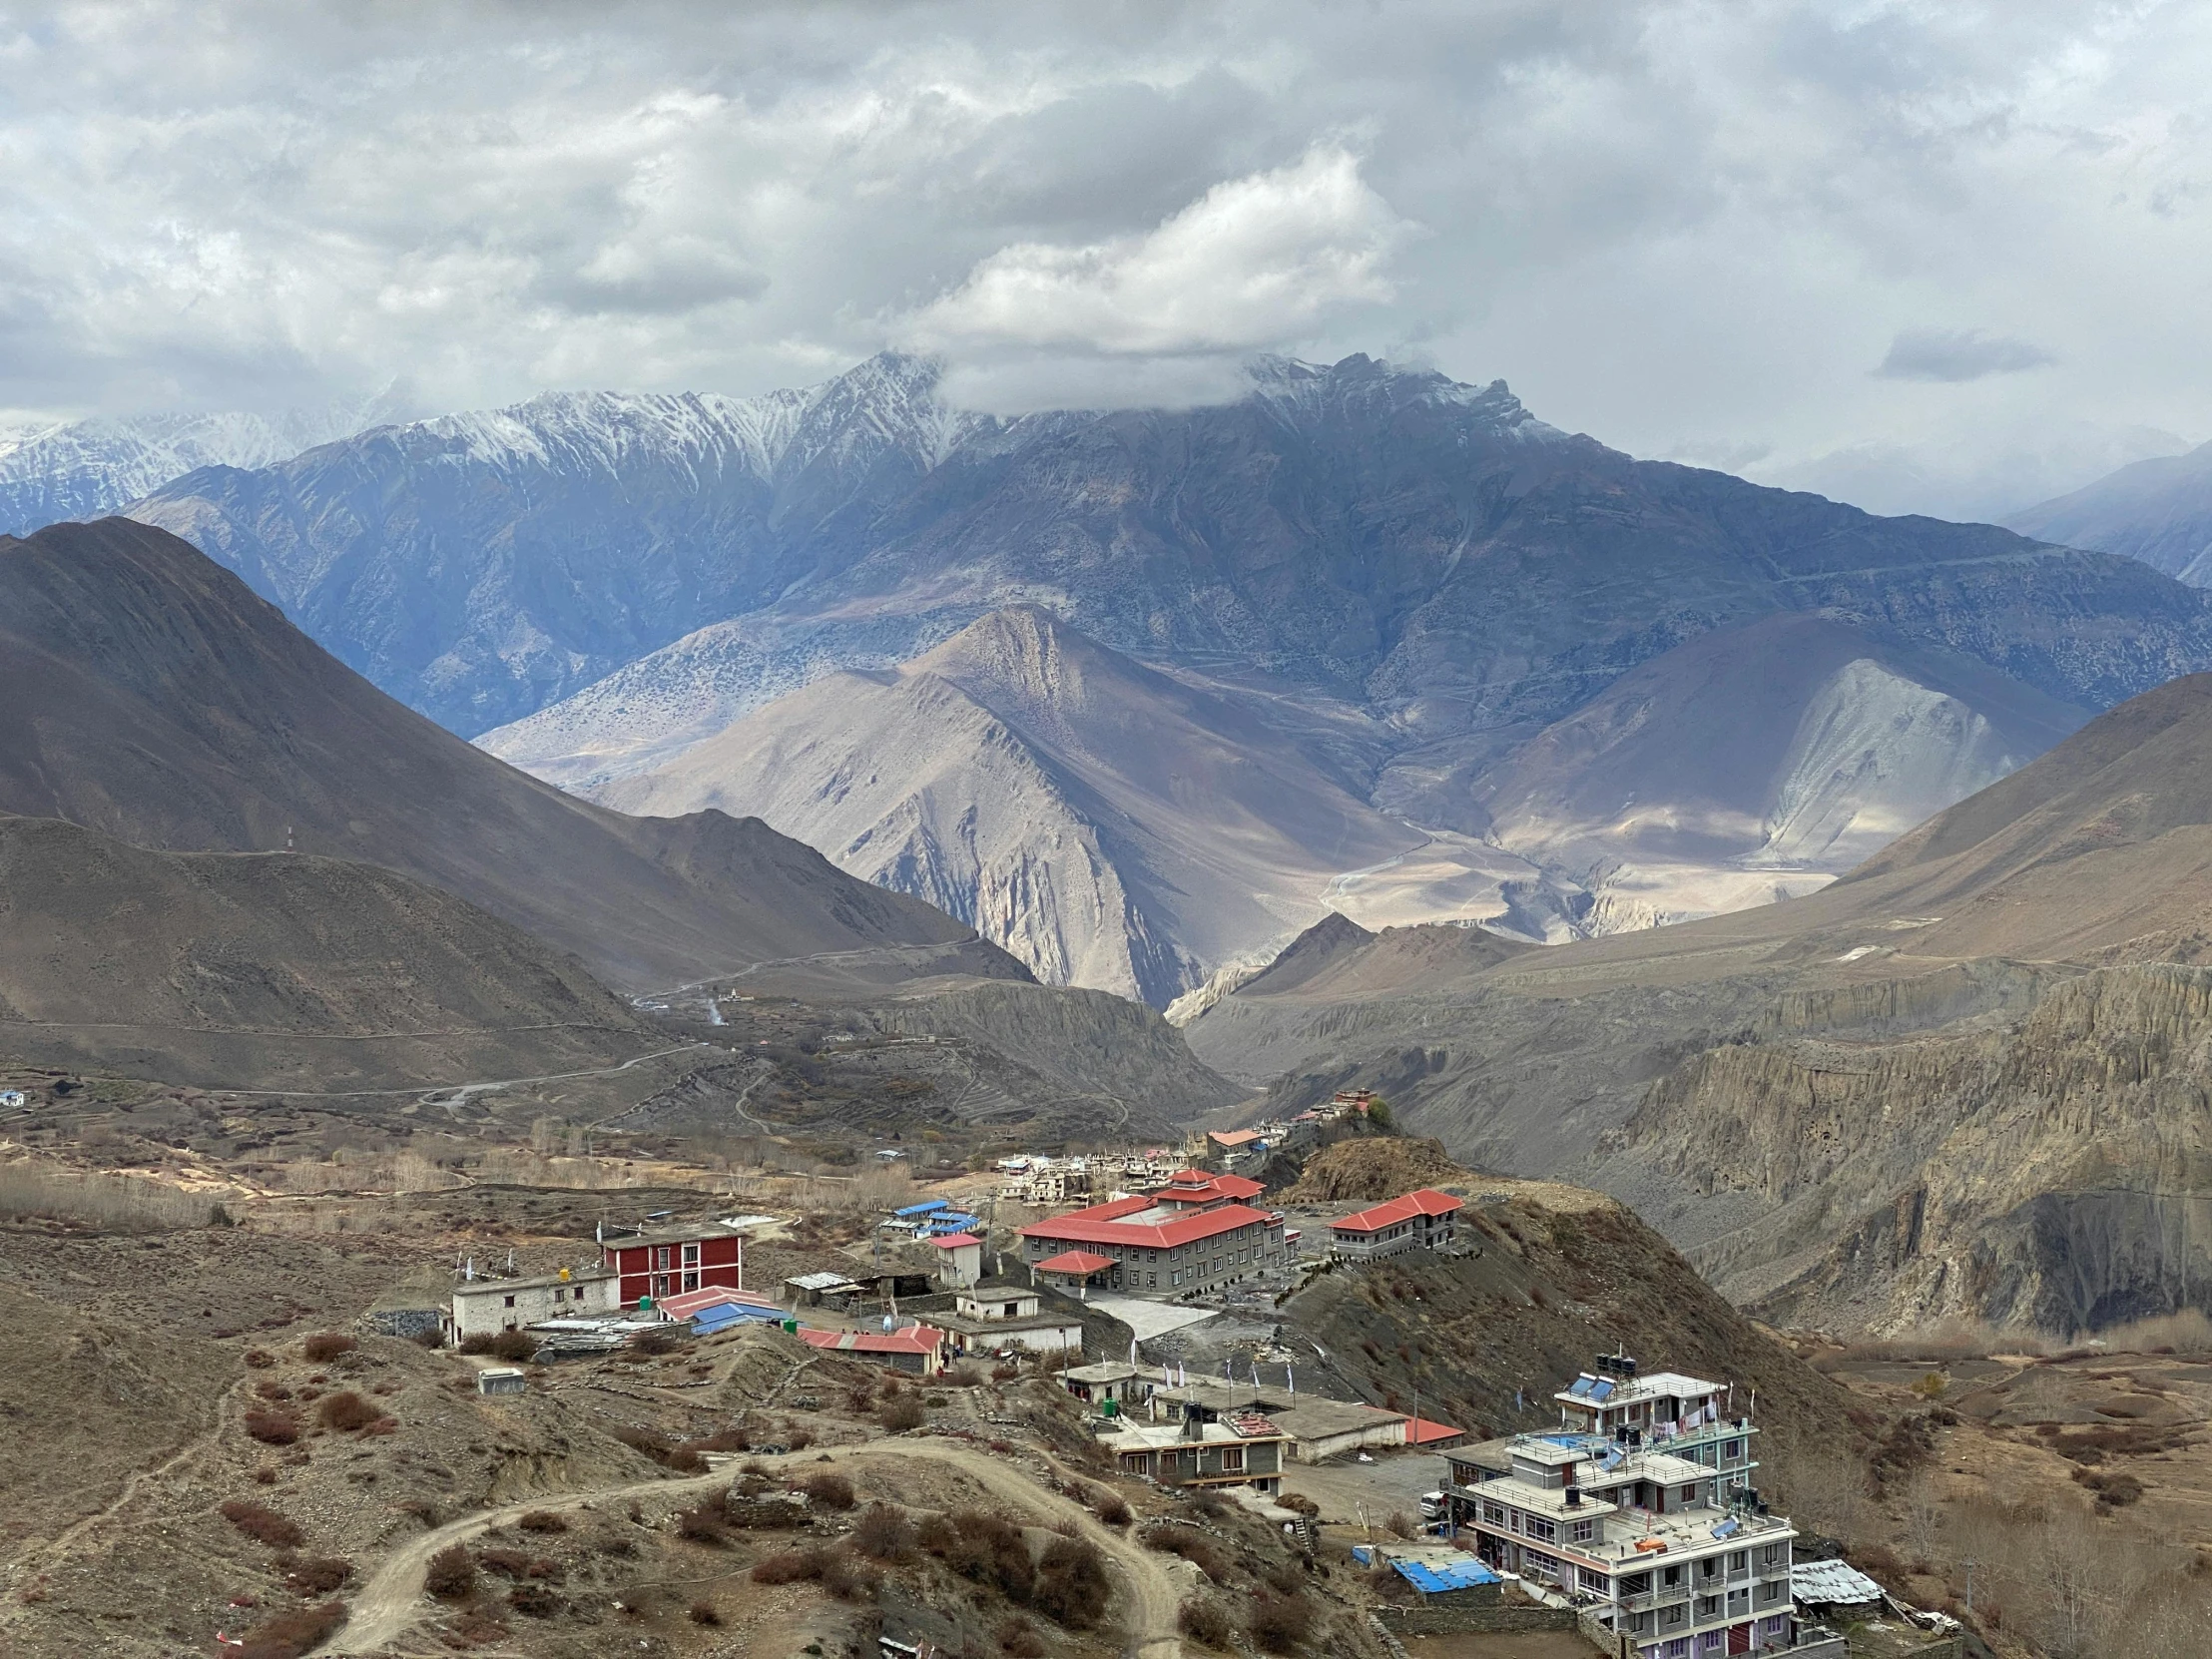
[77, 469]
[1303, 390]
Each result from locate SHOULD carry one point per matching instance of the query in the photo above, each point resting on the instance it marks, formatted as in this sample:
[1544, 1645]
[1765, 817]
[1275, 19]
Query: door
[1739, 1638]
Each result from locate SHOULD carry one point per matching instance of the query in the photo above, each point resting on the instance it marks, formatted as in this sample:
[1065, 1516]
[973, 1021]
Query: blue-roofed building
[929, 1209]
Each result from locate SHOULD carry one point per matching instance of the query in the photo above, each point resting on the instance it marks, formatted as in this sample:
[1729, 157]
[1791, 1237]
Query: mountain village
[1635, 1527]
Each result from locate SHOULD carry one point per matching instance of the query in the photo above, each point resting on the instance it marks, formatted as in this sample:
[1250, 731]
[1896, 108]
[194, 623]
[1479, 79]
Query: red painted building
[672, 1261]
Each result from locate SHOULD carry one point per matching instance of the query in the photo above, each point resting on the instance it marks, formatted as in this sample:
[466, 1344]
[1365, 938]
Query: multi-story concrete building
[1655, 1534]
[1195, 1234]
[675, 1260]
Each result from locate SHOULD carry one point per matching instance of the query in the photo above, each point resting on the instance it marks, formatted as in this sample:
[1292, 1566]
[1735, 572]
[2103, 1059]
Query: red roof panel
[1102, 1224]
[1426, 1201]
[1075, 1261]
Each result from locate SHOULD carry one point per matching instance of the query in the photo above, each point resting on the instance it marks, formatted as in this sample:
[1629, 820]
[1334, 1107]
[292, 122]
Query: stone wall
[1495, 1619]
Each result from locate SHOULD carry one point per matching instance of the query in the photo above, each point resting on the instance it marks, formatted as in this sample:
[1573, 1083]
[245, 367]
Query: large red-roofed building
[1418, 1221]
[1195, 1234]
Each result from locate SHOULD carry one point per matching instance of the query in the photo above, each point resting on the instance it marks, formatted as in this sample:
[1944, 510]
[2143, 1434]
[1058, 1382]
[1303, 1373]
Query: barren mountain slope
[152, 697]
[1109, 825]
[269, 971]
[2159, 511]
[1751, 764]
[1939, 992]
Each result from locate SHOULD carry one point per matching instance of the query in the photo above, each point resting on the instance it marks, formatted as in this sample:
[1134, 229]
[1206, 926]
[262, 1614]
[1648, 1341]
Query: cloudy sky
[1939, 256]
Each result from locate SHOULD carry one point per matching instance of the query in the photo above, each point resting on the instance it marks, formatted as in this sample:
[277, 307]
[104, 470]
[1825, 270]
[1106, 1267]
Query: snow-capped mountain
[594, 581]
[84, 469]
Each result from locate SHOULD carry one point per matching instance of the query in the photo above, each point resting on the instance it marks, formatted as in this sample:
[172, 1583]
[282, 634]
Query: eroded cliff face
[2028, 1170]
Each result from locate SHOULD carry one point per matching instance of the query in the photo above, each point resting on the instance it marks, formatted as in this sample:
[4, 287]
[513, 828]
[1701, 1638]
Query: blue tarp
[935, 1205]
[1452, 1575]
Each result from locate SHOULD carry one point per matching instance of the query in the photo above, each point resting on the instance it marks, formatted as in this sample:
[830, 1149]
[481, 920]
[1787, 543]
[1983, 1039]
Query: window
[1232, 1459]
[1151, 1280]
[661, 1257]
[1713, 1641]
[1675, 1613]
[1538, 1527]
[691, 1255]
[1689, 1494]
[1679, 1648]
[1708, 1607]
[1733, 1451]
[1739, 1560]
[1597, 1583]
[1494, 1513]
[510, 1302]
[1581, 1531]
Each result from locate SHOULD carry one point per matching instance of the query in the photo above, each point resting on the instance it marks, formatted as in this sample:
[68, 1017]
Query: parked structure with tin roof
[918, 1349]
[1194, 1234]
[1421, 1220]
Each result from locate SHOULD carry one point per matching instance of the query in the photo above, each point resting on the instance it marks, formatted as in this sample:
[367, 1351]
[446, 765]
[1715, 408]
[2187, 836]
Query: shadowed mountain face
[2159, 511]
[152, 698]
[1957, 1082]
[267, 972]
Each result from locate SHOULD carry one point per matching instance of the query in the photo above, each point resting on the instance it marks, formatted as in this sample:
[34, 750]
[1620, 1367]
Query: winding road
[391, 1602]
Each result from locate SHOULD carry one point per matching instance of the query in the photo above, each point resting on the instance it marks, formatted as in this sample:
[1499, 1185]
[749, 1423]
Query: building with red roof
[1421, 1220]
[920, 1348]
[1195, 1234]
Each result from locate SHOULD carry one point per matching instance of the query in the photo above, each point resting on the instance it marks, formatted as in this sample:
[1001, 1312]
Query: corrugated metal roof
[1830, 1583]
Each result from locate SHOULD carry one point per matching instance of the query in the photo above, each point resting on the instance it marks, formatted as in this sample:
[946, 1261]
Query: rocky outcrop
[2041, 1174]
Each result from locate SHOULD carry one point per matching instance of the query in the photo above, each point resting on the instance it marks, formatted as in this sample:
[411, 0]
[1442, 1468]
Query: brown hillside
[1372, 1168]
[150, 694]
[269, 971]
[1559, 1273]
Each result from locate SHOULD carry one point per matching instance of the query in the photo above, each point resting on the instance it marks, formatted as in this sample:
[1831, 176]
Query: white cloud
[1254, 262]
[1681, 227]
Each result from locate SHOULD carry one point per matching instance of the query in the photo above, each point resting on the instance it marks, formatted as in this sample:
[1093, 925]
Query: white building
[1638, 1510]
[486, 1306]
[988, 1318]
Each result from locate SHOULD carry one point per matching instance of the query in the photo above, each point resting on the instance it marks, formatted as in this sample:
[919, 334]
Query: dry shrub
[1111, 1507]
[703, 1525]
[884, 1533]
[1071, 1584]
[288, 1635]
[827, 1489]
[263, 1524]
[790, 1566]
[986, 1549]
[1204, 1624]
[271, 1391]
[656, 1342]
[451, 1574]
[1195, 1548]
[273, 1427]
[318, 1574]
[346, 1411]
[1298, 1503]
[533, 1600]
[798, 1439]
[726, 1440]
[325, 1346]
[1006, 1373]
[476, 1343]
[512, 1346]
[902, 1411]
[258, 1357]
[1018, 1639]
[1281, 1624]
[703, 1612]
[848, 1579]
[542, 1521]
[265, 1475]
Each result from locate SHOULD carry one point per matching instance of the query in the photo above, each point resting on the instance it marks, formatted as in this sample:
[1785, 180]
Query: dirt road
[391, 1602]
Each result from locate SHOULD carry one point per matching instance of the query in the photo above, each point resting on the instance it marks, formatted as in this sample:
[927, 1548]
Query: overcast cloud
[1790, 236]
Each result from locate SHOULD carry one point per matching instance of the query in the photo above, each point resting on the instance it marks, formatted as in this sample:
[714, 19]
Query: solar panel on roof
[1726, 1529]
[1602, 1390]
[1582, 1386]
